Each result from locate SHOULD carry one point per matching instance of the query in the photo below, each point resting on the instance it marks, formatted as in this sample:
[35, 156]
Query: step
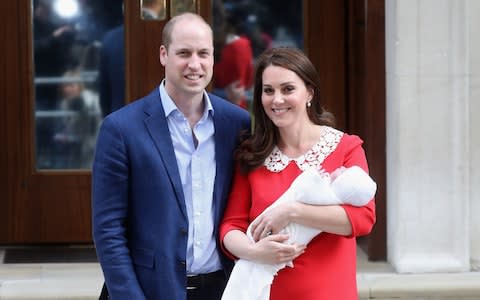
[376, 280]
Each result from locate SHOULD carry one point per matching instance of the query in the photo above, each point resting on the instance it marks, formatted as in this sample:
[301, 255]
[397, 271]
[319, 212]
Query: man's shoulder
[134, 109]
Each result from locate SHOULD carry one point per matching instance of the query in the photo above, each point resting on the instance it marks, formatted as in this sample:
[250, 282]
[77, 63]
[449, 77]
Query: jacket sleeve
[110, 189]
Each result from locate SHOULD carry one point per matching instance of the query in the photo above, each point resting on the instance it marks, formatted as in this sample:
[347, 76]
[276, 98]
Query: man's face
[188, 61]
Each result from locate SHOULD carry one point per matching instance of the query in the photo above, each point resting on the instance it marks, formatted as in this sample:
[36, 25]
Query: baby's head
[353, 186]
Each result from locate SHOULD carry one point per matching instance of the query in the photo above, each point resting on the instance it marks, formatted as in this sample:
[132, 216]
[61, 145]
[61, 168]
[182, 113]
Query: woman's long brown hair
[253, 151]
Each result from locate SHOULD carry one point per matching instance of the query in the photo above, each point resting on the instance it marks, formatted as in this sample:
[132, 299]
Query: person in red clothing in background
[292, 133]
[233, 68]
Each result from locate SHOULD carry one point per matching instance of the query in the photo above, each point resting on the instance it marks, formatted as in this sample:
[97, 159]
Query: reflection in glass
[242, 31]
[153, 10]
[68, 37]
[181, 6]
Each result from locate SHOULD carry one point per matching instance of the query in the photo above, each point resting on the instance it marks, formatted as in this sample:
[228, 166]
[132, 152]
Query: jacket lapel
[157, 126]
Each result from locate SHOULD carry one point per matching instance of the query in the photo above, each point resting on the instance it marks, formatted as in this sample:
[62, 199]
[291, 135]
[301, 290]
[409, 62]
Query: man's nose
[194, 62]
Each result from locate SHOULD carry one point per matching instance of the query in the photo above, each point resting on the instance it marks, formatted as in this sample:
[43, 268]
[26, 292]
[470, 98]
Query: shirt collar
[169, 106]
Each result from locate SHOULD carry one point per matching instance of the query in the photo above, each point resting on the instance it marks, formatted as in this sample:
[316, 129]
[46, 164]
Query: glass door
[70, 78]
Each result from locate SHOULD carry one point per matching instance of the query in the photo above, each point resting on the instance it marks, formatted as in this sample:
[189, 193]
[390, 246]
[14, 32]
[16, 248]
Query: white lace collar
[329, 139]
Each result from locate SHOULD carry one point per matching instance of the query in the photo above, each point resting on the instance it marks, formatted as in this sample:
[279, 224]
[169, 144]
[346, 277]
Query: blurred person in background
[233, 69]
[75, 137]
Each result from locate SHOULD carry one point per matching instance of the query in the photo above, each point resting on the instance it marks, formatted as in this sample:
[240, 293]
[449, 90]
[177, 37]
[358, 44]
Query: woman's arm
[270, 250]
[328, 218]
[343, 220]
[235, 242]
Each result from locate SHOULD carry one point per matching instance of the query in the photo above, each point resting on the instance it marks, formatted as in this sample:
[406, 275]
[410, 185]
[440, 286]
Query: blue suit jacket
[140, 222]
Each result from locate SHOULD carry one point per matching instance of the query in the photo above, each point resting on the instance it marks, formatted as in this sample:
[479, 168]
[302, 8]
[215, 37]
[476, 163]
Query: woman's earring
[309, 103]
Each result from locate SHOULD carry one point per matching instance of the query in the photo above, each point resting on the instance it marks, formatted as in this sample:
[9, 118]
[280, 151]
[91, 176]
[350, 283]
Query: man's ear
[163, 55]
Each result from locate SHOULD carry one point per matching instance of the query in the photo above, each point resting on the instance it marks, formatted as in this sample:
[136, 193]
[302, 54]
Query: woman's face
[284, 97]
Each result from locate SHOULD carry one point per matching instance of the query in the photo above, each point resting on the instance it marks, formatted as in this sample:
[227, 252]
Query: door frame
[346, 42]
[26, 190]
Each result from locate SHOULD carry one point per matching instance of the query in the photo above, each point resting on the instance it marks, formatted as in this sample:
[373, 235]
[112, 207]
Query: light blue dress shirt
[197, 168]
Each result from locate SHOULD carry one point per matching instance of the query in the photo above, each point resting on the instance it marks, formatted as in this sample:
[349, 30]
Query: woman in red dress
[292, 132]
[233, 68]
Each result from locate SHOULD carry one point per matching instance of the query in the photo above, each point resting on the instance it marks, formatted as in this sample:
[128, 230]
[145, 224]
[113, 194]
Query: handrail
[90, 76]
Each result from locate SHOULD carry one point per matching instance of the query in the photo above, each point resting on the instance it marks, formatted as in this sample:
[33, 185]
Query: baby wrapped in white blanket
[251, 280]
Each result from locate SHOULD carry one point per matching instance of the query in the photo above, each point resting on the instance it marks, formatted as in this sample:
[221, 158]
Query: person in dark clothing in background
[112, 70]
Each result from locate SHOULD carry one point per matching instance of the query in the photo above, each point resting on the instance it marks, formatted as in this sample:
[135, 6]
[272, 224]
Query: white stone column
[474, 37]
[428, 225]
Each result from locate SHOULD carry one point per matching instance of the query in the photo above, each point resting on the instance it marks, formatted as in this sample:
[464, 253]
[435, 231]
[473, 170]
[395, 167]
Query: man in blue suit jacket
[161, 177]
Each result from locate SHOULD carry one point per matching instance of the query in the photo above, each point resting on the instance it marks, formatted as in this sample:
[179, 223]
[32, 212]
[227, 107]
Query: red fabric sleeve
[361, 218]
[238, 208]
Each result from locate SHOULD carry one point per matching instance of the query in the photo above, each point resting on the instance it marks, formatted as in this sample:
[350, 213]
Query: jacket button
[184, 231]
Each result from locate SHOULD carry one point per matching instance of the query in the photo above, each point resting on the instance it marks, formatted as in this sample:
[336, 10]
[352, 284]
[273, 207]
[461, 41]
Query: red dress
[236, 63]
[327, 269]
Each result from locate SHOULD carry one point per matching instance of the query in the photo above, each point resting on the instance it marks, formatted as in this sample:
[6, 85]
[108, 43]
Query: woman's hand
[272, 250]
[272, 221]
